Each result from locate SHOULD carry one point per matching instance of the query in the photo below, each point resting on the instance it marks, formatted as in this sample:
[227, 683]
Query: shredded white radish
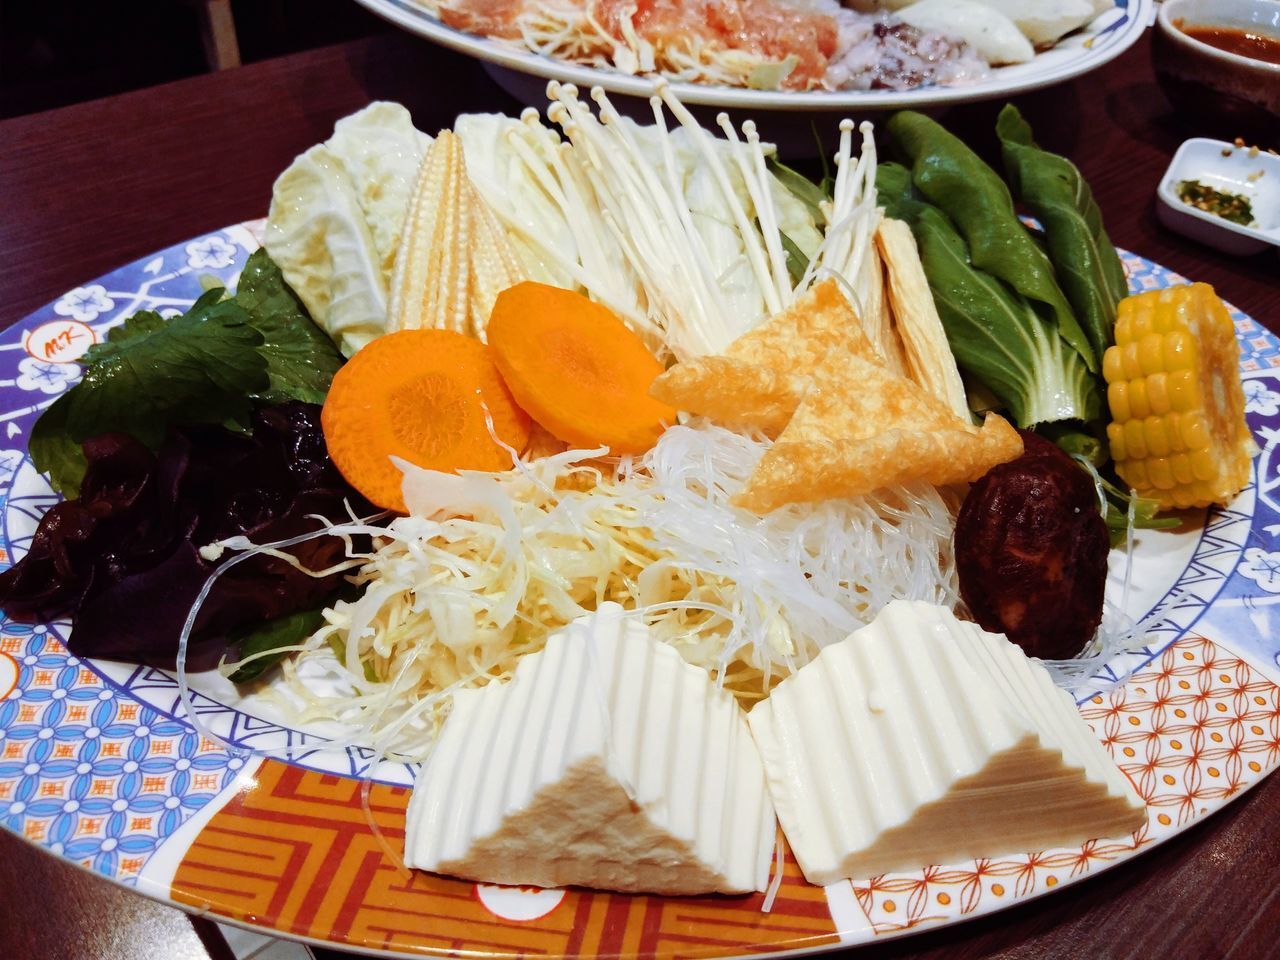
[488, 565]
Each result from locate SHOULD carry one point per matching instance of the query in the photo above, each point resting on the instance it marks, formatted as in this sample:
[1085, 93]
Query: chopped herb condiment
[1221, 203]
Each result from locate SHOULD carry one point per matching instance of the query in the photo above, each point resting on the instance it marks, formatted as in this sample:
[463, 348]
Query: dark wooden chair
[218, 29]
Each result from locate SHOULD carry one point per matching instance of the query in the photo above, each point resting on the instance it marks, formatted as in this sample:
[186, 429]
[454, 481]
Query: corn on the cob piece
[453, 259]
[1178, 433]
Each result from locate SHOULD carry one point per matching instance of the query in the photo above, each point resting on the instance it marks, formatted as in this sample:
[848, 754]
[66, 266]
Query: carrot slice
[419, 395]
[576, 368]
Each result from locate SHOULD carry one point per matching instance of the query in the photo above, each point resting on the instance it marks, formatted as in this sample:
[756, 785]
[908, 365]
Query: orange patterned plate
[99, 766]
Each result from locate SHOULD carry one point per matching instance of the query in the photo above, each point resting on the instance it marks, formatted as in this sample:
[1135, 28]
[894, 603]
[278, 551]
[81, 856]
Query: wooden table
[90, 187]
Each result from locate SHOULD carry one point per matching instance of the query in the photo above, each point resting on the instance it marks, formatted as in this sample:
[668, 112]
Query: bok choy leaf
[1051, 188]
[996, 334]
[955, 180]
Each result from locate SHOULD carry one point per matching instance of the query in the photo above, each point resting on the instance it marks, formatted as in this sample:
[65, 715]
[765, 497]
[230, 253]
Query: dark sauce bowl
[1214, 89]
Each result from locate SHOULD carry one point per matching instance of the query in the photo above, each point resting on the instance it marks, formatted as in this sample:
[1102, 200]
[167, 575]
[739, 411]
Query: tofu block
[607, 762]
[921, 739]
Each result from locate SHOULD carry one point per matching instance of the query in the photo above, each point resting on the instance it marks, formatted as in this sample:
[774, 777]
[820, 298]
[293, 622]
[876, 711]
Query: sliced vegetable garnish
[423, 396]
[576, 368]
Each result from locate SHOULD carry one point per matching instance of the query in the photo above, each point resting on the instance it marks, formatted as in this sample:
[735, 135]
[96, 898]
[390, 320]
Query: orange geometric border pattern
[1191, 731]
[296, 853]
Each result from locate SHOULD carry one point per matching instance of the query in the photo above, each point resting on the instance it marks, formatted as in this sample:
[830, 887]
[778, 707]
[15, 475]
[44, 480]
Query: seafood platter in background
[770, 55]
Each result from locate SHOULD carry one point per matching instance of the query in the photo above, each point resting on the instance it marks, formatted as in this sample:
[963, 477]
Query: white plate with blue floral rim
[99, 766]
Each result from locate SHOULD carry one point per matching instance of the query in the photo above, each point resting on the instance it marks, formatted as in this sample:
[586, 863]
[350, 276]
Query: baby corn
[1178, 433]
[453, 258]
[493, 266]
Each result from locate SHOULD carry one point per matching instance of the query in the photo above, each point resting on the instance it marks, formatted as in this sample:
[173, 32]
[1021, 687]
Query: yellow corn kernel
[1120, 398]
[1135, 439]
[1155, 394]
[1184, 391]
[1159, 475]
[1195, 433]
[1137, 477]
[1178, 432]
[1203, 465]
[1155, 431]
[1180, 464]
[1115, 440]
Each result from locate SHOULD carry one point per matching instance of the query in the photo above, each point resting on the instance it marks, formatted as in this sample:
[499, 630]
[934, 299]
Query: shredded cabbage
[487, 565]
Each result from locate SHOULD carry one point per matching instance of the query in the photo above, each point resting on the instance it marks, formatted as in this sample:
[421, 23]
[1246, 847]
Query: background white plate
[1103, 40]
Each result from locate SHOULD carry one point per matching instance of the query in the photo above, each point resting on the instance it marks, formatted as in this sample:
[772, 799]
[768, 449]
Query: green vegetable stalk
[269, 643]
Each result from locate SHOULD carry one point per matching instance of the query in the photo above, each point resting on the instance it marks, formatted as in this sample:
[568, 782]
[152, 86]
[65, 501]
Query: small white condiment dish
[1223, 166]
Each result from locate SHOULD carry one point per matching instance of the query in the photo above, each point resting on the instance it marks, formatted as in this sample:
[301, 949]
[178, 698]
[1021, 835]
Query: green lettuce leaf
[955, 180]
[996, 335]
[54, 452]
[150, 373]
[273, 639]
[797, 262]
[301, 359]
[801, 187]
[1087, 265]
